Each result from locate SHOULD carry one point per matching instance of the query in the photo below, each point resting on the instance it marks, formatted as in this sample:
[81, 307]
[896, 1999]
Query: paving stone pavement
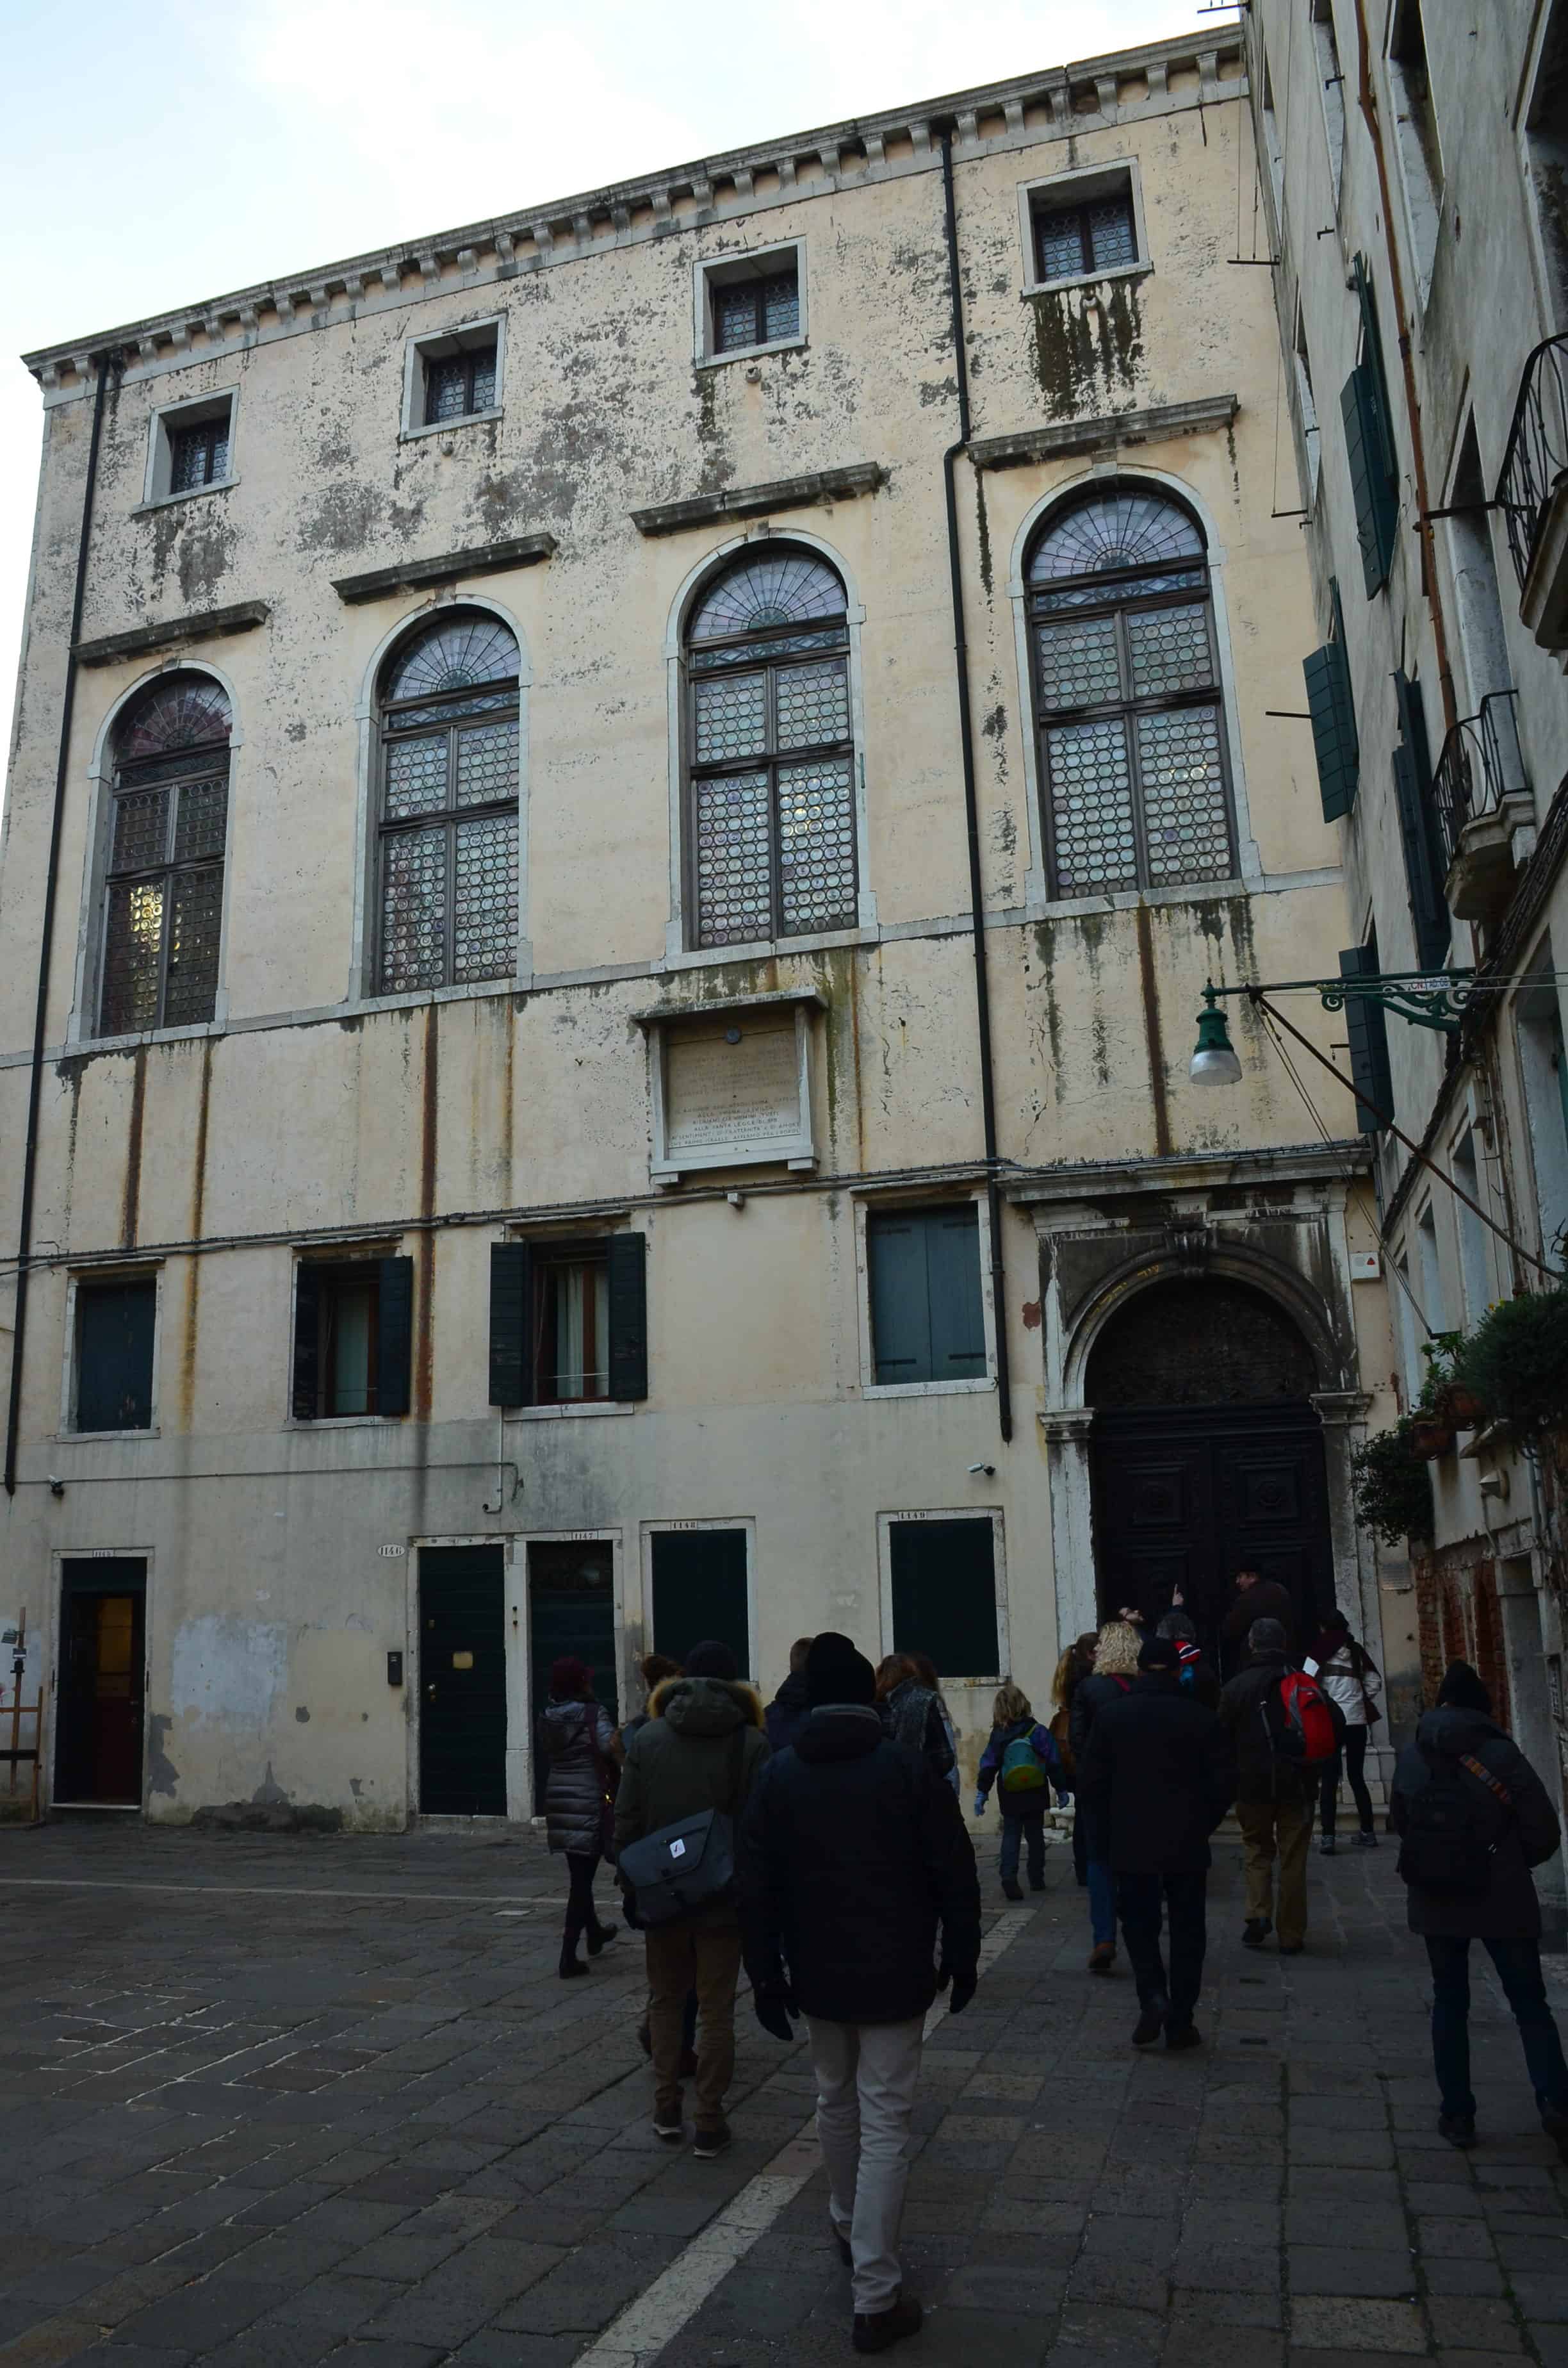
[267, 2102]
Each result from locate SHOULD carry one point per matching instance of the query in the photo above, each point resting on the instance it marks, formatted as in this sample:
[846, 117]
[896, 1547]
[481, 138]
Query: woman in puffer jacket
[577, 1743]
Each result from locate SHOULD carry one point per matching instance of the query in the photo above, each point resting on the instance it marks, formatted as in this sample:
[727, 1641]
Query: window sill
[570, 1408]
[342, 1421]
[449, 426]
[750, 353]
[362, 1006]
[1126, 900]
[145, 1036]
[929, 1389]
[189, 494]
[766, 949]
[1085, 279]
[75, 1438]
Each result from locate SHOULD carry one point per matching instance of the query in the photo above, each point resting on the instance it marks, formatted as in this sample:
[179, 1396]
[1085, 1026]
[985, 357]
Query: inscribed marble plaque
[718, 1093]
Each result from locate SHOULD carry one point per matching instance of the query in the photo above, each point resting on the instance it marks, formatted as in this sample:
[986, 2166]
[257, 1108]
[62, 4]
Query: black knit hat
[712, 1660]
[1160, 1652]
[1462, 1689]
[836, 1672]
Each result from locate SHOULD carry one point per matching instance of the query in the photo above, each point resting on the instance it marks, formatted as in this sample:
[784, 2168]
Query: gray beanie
[1265, 1638]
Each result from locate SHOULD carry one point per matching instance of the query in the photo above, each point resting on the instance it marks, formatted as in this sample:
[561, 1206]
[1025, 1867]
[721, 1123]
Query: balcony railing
[1536, 457]
[1480, 764]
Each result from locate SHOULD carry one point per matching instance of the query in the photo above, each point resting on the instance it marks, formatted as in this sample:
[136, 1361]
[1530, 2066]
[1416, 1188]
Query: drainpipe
[46, 938]
[972, 812]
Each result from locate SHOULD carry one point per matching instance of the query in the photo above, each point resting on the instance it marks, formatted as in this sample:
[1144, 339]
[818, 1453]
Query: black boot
[875, 2330]
[571, 1963]
[599, 1937]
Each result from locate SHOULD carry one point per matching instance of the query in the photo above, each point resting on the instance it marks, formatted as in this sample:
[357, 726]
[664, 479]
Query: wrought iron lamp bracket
[1427, 998]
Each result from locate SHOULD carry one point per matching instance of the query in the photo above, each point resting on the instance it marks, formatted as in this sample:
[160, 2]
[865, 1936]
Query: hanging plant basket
[1460, 1407]
[1430, 1437]
[1392, 1487]
[1515, 1363]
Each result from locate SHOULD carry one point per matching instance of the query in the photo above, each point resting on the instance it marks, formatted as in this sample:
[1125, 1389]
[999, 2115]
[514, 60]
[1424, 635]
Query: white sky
[157, 154]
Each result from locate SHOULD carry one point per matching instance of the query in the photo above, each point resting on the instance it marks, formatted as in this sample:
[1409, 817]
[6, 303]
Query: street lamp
[1215, 1061]
[1429, 999]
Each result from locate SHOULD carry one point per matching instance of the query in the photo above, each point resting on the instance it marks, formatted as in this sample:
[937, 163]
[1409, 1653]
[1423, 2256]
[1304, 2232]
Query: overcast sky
[158, 154]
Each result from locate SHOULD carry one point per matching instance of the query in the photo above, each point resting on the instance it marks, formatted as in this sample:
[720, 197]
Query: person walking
[1076, 1663]
[1349, 1675]
[576, 1744]
[926, 1670]
[1256, 1598]
[654, 1668]
[1159, 1775]
[787, 1710]
[1274, 1797]
[1116, 1666]
[913, 1713]
[1195, 1674]
[1022, 1762]
[856, 1876]
[701, 1749]
[1473, 1818]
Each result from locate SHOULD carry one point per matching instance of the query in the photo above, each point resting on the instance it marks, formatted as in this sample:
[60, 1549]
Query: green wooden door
[462, 1681]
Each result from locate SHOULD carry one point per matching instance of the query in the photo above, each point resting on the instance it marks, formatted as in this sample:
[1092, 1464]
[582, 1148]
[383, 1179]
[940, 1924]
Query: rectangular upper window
[453, 377]
[927, 1323]
[1083, 225]
[751, 303]
[569, 1321]
[199, 455]
[457, 385]
[353, 1336]
[190, 447]
[114, 1356]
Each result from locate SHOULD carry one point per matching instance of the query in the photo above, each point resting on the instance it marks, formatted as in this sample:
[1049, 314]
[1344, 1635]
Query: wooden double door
[1187, 1496]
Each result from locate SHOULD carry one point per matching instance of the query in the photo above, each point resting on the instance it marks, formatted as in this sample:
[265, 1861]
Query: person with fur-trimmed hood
[701, 1749]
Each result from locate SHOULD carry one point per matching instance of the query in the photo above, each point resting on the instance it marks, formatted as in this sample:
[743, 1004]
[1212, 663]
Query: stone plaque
[746, 1094]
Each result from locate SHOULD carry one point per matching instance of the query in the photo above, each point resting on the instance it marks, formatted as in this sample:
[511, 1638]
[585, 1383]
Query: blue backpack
[1021, 1770]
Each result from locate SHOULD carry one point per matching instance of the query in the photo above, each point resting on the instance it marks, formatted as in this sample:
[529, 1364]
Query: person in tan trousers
[1275, 1800]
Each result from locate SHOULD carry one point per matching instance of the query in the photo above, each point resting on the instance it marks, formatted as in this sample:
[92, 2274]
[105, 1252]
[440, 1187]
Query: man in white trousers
[853, 1858]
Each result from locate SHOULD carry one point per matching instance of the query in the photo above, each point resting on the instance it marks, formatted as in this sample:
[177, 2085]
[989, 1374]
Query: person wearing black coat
[1257, 1599]
[787, 1710]
[1501, 1799]
[854, 1866]
[1116, 1667]
[1159, 1776]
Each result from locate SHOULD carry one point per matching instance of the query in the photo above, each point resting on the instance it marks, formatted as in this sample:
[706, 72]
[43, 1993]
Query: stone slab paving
[270, 2102]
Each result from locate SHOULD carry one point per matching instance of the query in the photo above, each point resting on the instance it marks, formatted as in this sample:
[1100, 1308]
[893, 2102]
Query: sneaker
[1256, 1932]
[712, 2141]
[1102, 1956]
[876, 2329]
[1367, 1840]
[1011, 1890]
[1186, 2036]
[668, 2126]
[1555, 2122]
[1458, 2128]
[688, 2065]
[1151, 2023]
[1326, 1846]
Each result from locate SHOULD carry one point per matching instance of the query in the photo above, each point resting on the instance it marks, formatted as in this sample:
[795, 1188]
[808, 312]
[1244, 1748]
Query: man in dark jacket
[1159, 1777]
[701, 1749]
[854, 1858]
[1258, 1598]
[1275, 1798]
[787, 1710]
[1464, 1784]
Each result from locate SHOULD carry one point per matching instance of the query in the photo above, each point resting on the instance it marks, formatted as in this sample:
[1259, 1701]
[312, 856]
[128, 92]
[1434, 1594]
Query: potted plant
[1453, 1402]
[1392, 1487]
[1516, 1362]
[1431, 1424]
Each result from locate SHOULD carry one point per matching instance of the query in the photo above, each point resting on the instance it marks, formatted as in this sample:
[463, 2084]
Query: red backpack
[1300, 1721]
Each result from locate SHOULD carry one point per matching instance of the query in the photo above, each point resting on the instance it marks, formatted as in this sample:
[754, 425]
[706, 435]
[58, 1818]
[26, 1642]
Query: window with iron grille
[1126, 697]
[770, 752]
[757, 311]
[447, 837]
[164, 889]
[199, 455]
[1083, 238]
[457, 385]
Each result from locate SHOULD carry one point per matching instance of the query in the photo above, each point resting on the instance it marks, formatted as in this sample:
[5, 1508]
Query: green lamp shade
[1215, 1061]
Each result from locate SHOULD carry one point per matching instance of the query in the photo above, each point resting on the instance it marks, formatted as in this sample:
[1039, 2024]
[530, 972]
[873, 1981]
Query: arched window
[769, 752]
[446, 830]
[168, 824]
[1127, 700]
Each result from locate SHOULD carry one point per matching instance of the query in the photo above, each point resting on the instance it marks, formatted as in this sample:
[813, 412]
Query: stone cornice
[1190, 1171]
[173, 634]
[1107, 431]
[417, 575]
[755, 501]
[1123, 86]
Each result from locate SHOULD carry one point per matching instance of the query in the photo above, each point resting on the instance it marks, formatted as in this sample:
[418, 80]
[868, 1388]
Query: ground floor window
[943, 1572]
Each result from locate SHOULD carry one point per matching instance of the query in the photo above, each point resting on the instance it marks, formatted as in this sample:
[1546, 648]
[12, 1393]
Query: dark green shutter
[1366, 1024]
[699, 1591]
[511, 1323]
[952, 1271]
[900, 1309]
[307, 1335]
[1368, 443]
[627, 1259]
[114, 1356]
[1335, 741]
[394, 1348]
[944, 1594]
[1418, 829]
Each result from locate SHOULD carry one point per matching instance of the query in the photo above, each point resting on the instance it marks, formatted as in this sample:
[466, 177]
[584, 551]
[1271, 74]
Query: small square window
[191, 448]
[750, 303]
[114, 1356]
[455, 376]
[1083, 225]
[460, 384]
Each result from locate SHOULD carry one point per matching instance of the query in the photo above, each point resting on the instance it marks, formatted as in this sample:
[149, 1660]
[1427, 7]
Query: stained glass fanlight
[767, 590]
[186, 711]
[456, 652]
[1112, 531]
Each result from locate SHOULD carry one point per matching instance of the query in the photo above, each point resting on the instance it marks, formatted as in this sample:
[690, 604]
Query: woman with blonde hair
[1022, 1762]
[1116, 1665]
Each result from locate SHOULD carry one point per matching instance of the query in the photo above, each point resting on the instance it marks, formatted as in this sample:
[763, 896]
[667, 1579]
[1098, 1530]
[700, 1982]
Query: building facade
[1414, 196]
[617, 824]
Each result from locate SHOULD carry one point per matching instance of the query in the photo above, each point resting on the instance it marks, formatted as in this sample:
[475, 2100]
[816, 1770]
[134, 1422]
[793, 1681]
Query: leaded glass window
[167, 829]
[1076, 241]
[757, 311]
[1126, 697]
[446, 896]
[457, 385]
[770, 752]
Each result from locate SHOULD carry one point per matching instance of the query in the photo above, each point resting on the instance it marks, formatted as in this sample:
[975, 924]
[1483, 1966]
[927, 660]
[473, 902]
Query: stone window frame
[867, 1203]
[1422, 192]
[439, 345]
[87, 1276]
[81, 1026]
[364, 934]
[743, 263]
[1039, 902]
[191, 411]
[996, 1516]
[1083, 183]
[679, 952]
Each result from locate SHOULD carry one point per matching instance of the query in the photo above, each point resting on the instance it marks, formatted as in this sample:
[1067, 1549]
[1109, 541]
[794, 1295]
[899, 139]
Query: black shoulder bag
[689, 1865]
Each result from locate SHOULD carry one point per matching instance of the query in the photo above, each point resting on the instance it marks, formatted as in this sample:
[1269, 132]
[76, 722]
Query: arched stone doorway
[1207, 1453]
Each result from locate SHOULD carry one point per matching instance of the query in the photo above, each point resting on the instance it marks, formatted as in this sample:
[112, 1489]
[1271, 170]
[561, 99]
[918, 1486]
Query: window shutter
[628, 1263]
[511, 1323]
[944, 1594]
[1366, 1024]
[1335, 741]
[307, 1335]
[1423, 869]
[952, 1268]
[394, 1356]
[699, 1590]
[900, 1308]
[1372, 489]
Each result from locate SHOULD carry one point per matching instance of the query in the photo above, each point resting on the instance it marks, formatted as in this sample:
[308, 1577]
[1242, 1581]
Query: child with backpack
[1022, 1760]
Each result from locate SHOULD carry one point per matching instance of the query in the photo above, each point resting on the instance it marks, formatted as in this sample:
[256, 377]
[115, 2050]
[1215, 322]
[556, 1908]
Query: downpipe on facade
[951, 458]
